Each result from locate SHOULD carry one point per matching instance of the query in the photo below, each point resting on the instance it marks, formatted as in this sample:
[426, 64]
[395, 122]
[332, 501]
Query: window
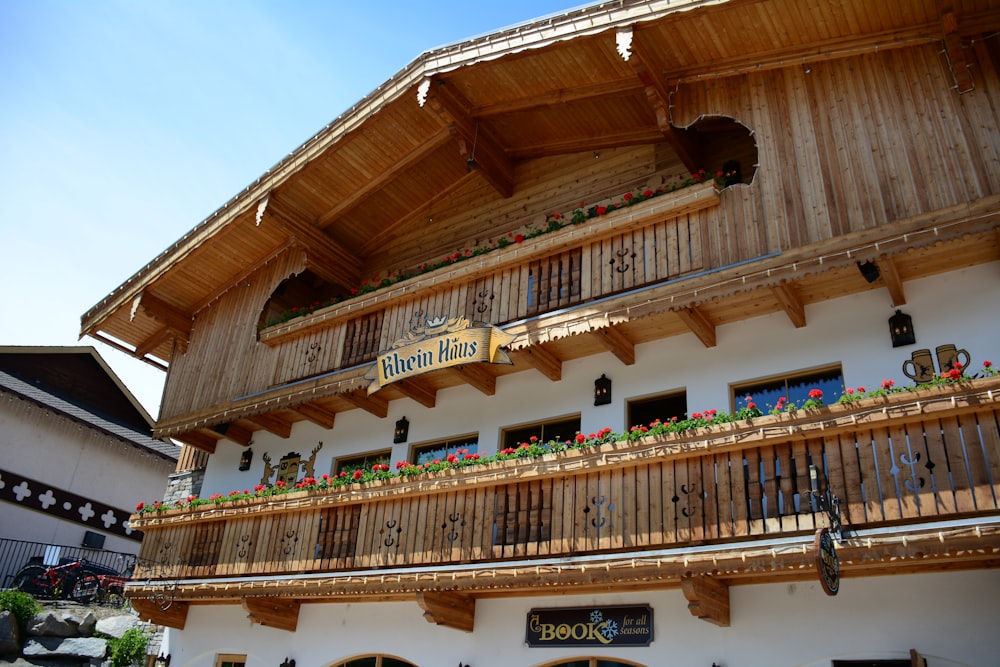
[593, 662]
[439, 451]
[349, 464]
[644, 411]
[556, 429]
[794, 387]
[375, 661]
[230, 660]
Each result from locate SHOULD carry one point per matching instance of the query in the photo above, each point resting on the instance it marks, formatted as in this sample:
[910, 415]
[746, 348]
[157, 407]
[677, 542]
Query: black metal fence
[15, 554]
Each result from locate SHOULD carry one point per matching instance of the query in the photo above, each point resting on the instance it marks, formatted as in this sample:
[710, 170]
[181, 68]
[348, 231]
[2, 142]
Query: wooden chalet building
[514, 198]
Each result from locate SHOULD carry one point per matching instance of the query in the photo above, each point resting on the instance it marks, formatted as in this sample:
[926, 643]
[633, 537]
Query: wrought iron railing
[15, 554]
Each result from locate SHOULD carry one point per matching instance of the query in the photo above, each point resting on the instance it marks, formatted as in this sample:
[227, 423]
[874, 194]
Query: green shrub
[22, 605]
[129, 649]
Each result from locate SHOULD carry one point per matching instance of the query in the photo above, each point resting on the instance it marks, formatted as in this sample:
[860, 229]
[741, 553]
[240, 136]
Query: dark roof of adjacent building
[76, 383]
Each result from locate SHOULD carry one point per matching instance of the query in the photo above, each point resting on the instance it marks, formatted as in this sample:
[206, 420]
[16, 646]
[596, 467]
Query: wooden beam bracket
[174, 616]
[281, 613]
[448, 609]
[708, 599]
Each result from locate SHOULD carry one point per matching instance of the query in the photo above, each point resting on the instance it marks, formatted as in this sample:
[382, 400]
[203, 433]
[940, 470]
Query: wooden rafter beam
[541, 360]
[374, 404]
[418, 391]
[617, 344]
[659, 99]
[891, 280]
[953, 46]
[174, 319]
[603, 90]
[324, 256]
[637, 137]
[272, 422]
[174, 616]
[317, 414]
[449, 609]
[199, 440]
[239, 433]
[699, 325]
[152, 342]
[372, 186]
[476, 144]
[708, 599]
[281, 613]
[477, 376]
[790, 303]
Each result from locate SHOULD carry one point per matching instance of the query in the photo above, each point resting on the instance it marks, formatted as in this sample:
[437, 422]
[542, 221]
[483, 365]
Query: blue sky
[123, 124]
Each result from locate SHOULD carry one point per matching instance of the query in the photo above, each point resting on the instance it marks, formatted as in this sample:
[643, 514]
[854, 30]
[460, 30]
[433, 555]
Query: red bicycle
[76, 580]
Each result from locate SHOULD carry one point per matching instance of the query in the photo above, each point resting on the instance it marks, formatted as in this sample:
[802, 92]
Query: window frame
[364, 457]
[543, 438]
[738, 390]
[451, 445]
[651, 398]
[230, 659]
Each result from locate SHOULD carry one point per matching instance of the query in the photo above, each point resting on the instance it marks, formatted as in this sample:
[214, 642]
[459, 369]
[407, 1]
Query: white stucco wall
[960, 307]
[64, 454]
[950, 618]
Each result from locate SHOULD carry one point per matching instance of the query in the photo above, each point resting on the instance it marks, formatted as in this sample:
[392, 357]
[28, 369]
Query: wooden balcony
[917, 475]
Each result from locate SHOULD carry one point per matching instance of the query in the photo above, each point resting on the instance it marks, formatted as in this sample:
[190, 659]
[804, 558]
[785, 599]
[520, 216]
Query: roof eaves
[577, 22]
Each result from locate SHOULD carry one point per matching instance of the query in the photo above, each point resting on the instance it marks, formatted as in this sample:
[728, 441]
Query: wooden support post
[281, 613]
[448, 609]
[272, 422]
[418, 391]
[541, 360]
[790, 303]
[617, 343]
[698, 324]
[708, 599]
[174, 616]
[374, 404]
[317, 414]
[887, 269]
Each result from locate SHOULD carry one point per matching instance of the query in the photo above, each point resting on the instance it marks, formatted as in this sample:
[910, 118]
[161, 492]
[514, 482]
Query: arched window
[726, 145]
[375, 661]
[593, 662]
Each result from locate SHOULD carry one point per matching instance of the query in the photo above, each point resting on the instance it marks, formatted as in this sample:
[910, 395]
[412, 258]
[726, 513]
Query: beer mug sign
[948, 357]
[920, 367]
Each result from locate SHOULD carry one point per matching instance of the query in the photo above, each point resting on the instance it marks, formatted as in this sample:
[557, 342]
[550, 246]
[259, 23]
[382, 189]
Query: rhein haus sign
[590, 626]
[439, 343]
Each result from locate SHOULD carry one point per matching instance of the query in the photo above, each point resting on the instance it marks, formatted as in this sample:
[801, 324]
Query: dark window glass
[559, 430]
[363, 461]
[644, 411]
[795, 388]
[439, 451]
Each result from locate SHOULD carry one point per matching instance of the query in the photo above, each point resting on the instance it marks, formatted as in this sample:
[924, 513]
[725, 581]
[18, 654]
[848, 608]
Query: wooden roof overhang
[587, 79]
[447, 593]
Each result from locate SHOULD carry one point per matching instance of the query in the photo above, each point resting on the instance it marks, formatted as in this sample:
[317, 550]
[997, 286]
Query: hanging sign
[439, 343]
[590, 626]
[827, 563]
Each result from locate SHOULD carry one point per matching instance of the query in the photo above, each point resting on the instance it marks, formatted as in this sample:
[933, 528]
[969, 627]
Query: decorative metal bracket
[827, 502]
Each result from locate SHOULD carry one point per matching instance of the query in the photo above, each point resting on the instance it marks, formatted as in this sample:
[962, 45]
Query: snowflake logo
[596, 616]
[610, 629]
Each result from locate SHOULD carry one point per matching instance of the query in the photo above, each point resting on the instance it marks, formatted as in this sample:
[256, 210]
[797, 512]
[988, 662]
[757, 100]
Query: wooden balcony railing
[648, 243]
[906, 458]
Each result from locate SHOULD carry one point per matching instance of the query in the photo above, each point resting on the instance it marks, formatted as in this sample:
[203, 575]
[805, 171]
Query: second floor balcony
[908, 480]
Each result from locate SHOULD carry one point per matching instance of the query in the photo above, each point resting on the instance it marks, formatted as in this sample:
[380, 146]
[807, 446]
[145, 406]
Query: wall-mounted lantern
[402, 431]
[246, 459]
[602, 390]
[901, 329]
[869, 270]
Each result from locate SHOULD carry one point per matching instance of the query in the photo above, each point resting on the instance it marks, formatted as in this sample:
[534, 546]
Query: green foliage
[21, 605]
[129, 649]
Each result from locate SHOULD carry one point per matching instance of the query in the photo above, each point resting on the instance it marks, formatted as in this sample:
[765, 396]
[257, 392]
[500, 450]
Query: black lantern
[901, 329]
[245, 459]
[402, 431]
[602, 390]
[869, 270]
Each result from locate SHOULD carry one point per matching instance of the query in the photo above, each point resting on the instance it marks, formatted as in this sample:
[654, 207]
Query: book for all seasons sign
[590, 626]
[439, 343]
